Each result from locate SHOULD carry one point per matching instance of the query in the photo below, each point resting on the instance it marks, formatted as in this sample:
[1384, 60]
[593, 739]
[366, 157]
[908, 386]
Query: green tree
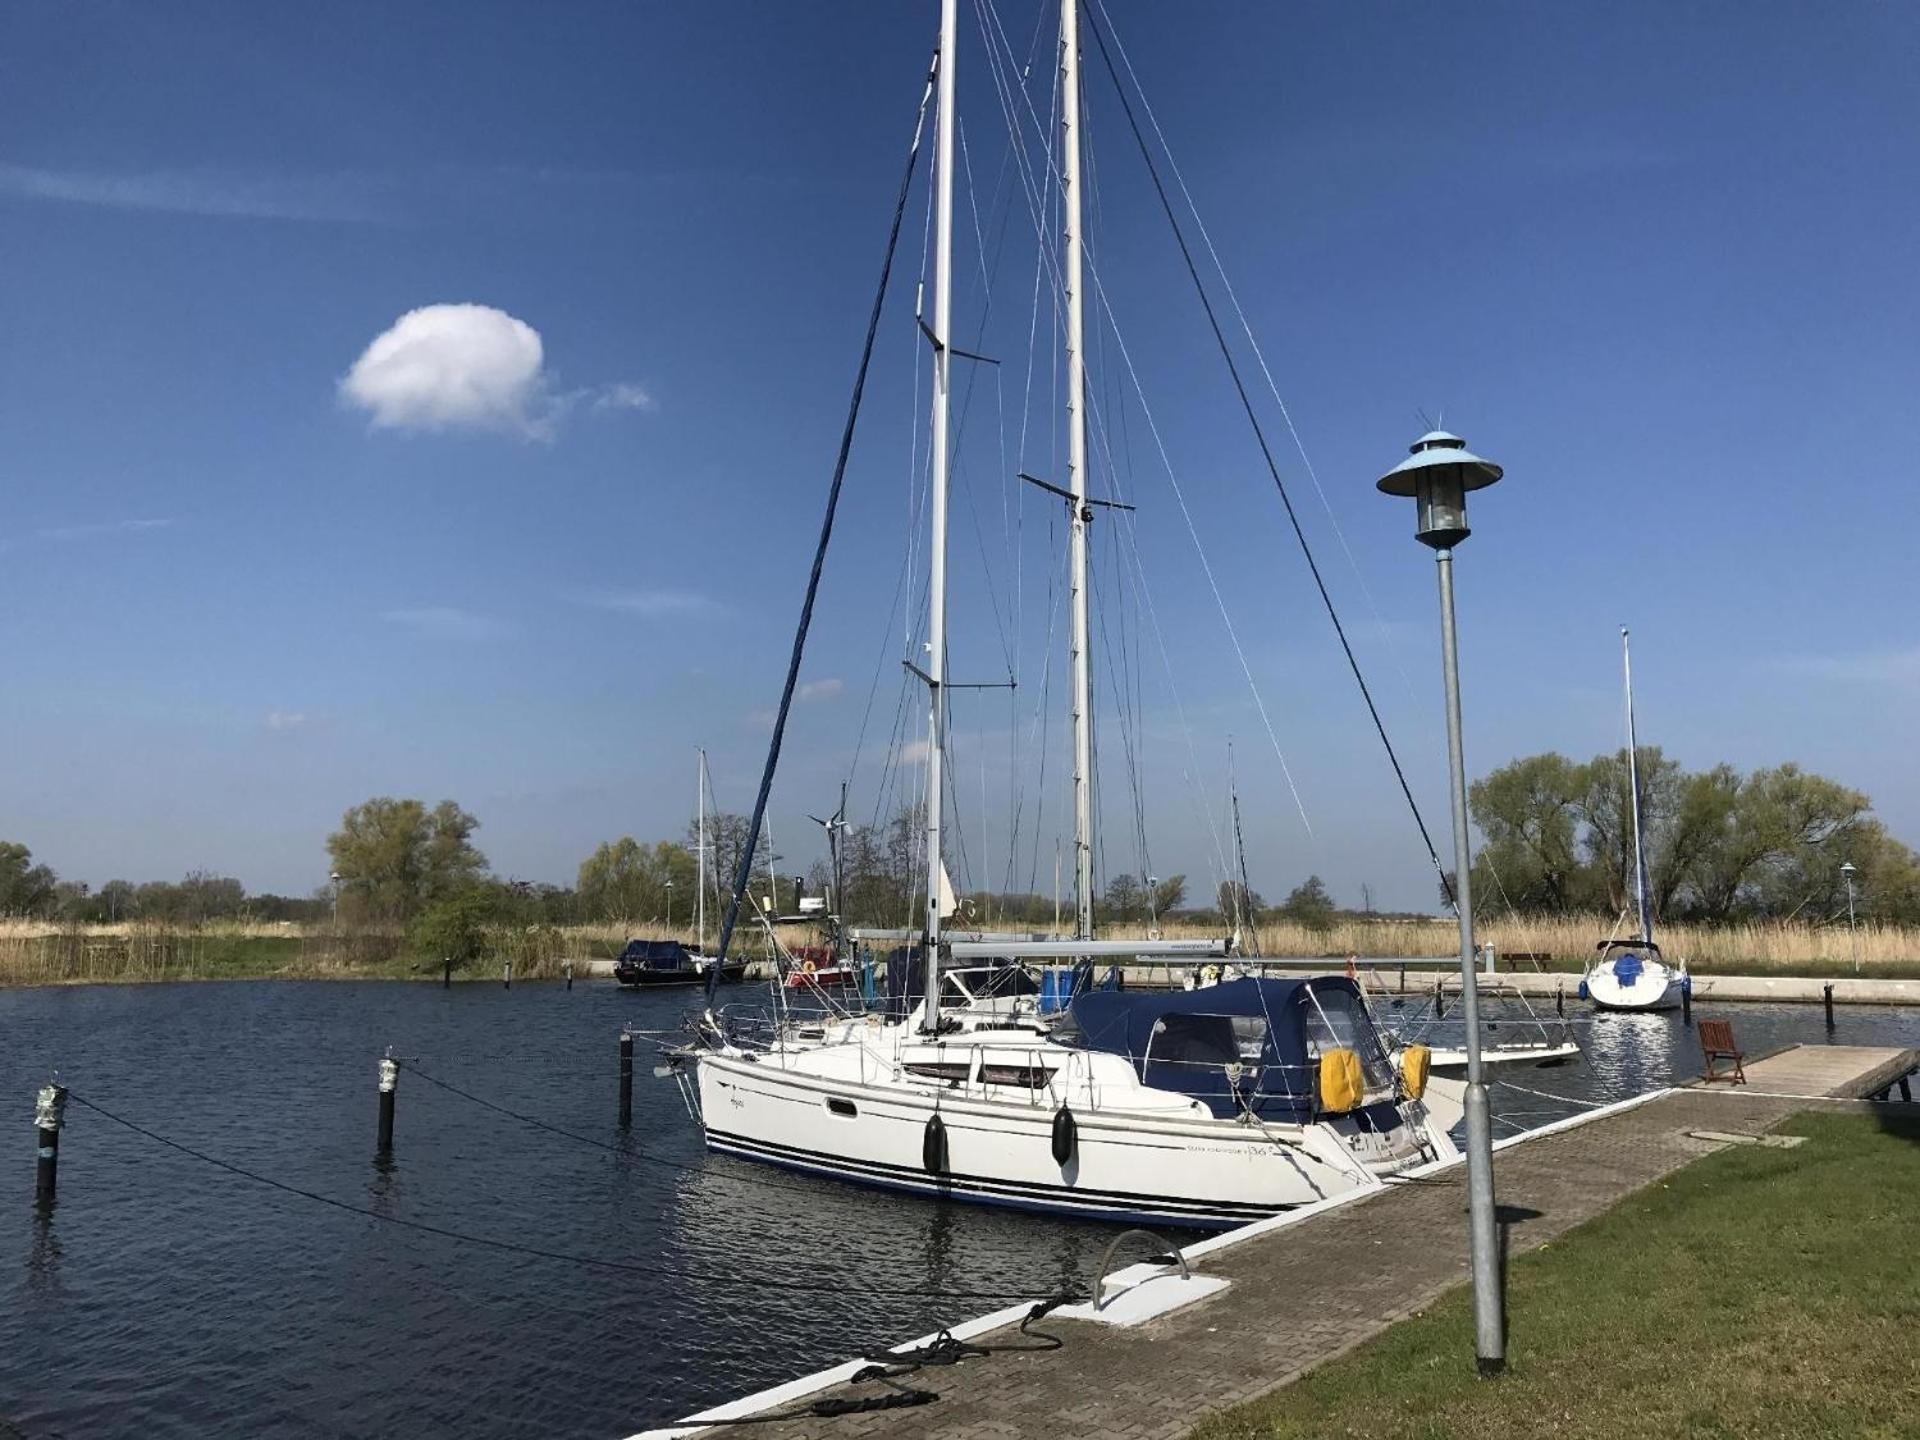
[1239, 906]
[25, 888]
[1169, 895]
[626, 882]
[1310, 904]
[1529, 812]
[1125, 900]
[396, 857]
[456, 925]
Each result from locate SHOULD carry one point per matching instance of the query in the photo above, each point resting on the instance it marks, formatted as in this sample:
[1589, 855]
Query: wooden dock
[1838, 1072]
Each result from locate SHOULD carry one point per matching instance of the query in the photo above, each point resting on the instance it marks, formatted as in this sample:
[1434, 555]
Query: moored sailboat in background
[1632, 974]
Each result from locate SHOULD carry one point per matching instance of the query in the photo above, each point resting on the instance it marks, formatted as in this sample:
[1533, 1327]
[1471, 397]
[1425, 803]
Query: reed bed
[38, 953]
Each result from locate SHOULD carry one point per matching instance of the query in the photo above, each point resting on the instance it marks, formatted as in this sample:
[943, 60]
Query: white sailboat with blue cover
[1632, 974]
[1203, 1108]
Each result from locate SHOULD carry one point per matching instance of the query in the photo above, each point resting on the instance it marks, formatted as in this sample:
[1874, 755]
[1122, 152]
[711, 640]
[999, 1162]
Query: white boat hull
[1455, 1061]
[1178, 1166]
[1656, 986]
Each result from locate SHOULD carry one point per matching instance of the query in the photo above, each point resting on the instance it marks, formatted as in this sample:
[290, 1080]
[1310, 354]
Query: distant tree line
[1721, 845]
[34, 891]
[1557, 840]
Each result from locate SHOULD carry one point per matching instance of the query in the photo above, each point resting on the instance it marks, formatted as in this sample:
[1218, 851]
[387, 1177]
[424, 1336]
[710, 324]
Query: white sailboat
[1632, 974]
[1206, 1108]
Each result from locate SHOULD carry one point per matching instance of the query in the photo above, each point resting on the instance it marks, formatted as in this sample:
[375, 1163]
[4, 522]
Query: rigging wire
[1273, 468]
[1173, 479]
[826, 524]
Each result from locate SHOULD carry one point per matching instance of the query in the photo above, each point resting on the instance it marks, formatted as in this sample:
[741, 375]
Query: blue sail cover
[657, 955]
[1185, 1041]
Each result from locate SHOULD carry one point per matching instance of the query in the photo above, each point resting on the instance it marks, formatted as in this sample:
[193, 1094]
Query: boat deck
[1346, 1274]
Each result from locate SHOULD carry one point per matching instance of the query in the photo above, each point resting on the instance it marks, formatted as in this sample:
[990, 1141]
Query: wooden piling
[1686, 1003]
[389, 1082]
[50, 1108]
[626, 1079]
[1560, 1000]
[1826, 997]
[446, 976]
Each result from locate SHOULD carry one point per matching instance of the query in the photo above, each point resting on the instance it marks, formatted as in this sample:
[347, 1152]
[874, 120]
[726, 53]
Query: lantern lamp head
[1438, 475]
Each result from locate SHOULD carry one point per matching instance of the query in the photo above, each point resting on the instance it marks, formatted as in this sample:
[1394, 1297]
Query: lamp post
[1437, 475]
[1853, 939]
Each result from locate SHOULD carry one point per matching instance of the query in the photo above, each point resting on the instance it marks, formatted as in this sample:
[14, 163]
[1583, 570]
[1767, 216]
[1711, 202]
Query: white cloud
[624, 395]
[91, 530]
[819, 690]
[454, 367]
[653, 604]
[1897, 668]
[447, 622]
[285, 720]
[214, 194]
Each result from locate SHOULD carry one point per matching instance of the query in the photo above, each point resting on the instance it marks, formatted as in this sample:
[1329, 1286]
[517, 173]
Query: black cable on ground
[514, 1247]
[1266, 451]
[890, 1367]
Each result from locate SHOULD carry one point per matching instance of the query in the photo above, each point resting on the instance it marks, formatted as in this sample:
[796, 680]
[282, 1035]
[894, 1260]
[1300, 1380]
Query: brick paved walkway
[1300, 1296]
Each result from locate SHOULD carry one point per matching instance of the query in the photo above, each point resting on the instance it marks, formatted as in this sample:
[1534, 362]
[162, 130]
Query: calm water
[175, 1299]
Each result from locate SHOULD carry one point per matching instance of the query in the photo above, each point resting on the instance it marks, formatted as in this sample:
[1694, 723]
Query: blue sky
[1657, 260]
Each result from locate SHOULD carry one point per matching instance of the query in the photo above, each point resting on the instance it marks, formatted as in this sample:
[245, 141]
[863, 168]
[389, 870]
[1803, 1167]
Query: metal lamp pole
[1437, 476]
[1853, 938]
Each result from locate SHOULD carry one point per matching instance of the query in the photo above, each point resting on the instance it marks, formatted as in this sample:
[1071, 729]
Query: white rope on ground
[1549, 1095]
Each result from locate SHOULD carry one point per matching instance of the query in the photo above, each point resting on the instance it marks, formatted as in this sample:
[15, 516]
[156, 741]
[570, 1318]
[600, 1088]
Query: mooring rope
[514, 1247]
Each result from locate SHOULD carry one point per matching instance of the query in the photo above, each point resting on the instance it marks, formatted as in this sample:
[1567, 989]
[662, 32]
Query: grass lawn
[1757, 1292]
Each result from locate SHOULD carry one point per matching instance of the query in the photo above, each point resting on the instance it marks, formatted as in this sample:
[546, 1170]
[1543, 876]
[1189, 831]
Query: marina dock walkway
[1306, 1293]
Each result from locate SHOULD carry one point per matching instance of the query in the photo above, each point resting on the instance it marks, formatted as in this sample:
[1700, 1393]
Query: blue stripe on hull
[1040, 1200]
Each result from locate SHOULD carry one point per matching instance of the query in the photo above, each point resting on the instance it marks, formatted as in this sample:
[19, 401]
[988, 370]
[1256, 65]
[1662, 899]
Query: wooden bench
[1716, 1045]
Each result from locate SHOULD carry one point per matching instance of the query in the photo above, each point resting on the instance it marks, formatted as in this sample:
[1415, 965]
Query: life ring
[807, 967]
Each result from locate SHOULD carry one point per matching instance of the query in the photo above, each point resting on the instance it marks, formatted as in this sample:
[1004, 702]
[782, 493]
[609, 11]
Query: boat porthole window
[842, 1107]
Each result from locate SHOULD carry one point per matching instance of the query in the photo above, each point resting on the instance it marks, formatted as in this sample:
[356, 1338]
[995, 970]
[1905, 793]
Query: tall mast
[1633, 780]
[700, 881]
[936, 674]
[1082, 699]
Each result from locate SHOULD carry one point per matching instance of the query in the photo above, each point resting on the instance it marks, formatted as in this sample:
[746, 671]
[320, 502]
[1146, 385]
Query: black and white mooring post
[446, 972]
[389, 1081]
[506, 976]
[569, 972]
[49, 1109]
[626, 1079]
